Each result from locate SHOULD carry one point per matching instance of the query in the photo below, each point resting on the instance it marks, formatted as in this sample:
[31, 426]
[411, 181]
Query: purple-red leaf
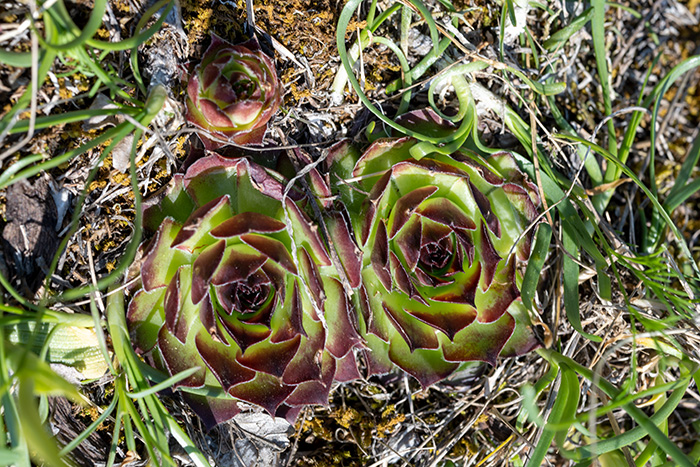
[480, 342]
[503, 290]
[270, 358]
[489, 257]
[247, 222]
[179, 357]
[221, 361]
[405, 207]
[203, 269]
[265, 390]
[273, 249]
[380, 257]
[417, 335]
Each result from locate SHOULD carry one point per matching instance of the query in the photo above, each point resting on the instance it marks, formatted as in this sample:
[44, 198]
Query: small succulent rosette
[235, 284]
[442, 238]
[233, 93]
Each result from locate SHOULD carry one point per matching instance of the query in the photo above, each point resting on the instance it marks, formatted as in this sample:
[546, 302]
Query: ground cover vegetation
[418, 233]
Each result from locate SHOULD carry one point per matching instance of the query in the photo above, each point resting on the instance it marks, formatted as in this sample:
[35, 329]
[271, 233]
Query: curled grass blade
[62, 17]
[343, 22]
[141, 36]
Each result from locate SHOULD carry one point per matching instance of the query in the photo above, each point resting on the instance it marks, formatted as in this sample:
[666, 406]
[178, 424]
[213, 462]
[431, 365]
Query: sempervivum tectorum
[442, 238]
[233, 93]
[233, 283]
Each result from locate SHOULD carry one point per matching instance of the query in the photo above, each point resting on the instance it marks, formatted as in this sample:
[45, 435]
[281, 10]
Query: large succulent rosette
[234, 283]
[233, 93]
[442, 239]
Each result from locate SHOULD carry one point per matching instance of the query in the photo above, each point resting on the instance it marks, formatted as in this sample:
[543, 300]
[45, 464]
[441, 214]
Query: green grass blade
[17, 166]
[18, 442]
[43, 447]
[570, 282]
[536, 263]
[561, 37]
[613, 172]
[614, 160]
[71, 117]
[181, 437]
[141, 37]
[343, 22]
[90, 429]
[680, 196]
[680, 191]
[89, 30]
[601, 56]
[691, 160]
[589, 162]
[16, 59]
[546, 89]
[168, 383]
[658, 93]
[648, 426]
[118, 132]
[567, 397]
[571, 386]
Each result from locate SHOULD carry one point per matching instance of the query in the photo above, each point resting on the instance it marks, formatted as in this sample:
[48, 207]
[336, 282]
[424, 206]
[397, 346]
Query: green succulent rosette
[443, 240]
[233, 93]
[235, 283]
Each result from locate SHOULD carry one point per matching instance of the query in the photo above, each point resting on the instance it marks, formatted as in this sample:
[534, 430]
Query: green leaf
[571, 295]
[44, 380]
[680, 191]
[601, 58]
[535, 264]
[647, 425]
[566, 400]
[559, 38]
[17, 59]
[571, 393]
[42, 446]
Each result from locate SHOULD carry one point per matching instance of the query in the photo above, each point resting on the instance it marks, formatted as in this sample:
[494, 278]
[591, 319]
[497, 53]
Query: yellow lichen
[483, 418]
[389, 422]
[97, 185]
[120, 178]
[314, 427]
[346, 416]
[200, 24]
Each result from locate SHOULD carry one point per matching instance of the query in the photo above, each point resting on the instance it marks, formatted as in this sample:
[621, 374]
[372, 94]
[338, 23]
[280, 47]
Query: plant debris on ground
[570, 86]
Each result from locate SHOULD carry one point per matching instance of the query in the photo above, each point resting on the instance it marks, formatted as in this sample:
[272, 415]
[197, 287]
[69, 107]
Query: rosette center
[436, 255]
[248, 296]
